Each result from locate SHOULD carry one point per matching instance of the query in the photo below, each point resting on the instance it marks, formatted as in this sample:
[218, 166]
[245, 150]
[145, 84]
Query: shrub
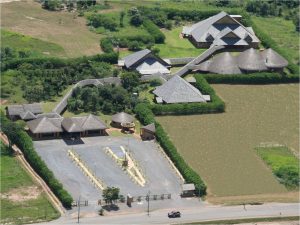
[24, 142]
[253, 78]
[106, 45]
[159, 37]
[100, 20]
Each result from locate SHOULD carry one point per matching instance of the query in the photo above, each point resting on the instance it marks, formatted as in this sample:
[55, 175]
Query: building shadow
[73, 140]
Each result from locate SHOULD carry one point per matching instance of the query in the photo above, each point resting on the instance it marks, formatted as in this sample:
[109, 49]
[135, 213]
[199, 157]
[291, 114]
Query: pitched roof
[177, 90]
[45, 125]
[273, 59]
[17, 110]
[49, 115]
[83, 123]
[217, 28]
[152, 66]
[27, 115]
[251, 60]
[135, 57]
[122, 117]
[224, 63]
[150, 127]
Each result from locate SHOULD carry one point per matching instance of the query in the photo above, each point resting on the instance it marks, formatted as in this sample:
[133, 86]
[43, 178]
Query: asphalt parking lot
[161, 177]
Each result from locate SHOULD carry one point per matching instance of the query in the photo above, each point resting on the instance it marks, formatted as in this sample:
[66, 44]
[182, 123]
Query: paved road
[193, 214]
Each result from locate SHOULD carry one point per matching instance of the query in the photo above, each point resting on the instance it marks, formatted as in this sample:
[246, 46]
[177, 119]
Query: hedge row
[19, 137]
[154, 31]
[59, 62]
[253, 78]
[146, 116]
[215, 106]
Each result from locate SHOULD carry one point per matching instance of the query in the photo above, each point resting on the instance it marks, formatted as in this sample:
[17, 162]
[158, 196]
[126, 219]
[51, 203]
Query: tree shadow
[111, 207]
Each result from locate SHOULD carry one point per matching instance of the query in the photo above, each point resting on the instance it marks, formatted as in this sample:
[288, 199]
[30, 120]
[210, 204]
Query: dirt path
[20, 157]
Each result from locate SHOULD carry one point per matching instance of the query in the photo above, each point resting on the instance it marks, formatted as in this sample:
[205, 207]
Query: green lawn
[282, 31]
[281, 158]
[14, 183]
[174, 46]
[26, 43]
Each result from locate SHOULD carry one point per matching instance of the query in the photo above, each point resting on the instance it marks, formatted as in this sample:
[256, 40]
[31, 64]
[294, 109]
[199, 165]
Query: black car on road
[174, 214]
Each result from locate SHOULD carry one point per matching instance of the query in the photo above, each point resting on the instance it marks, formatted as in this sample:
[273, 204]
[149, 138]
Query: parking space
[160, 176]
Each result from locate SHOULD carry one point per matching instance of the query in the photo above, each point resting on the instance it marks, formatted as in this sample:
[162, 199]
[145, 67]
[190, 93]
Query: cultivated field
[21, 199]
[282, 31]
[221, 146]
[62, 28]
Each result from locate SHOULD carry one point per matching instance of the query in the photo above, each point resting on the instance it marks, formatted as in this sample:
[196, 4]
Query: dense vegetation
[107, 99]
[18, 136]
[43, 78]
[283, 163]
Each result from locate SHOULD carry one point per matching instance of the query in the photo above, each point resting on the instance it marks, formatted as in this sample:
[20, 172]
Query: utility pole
[78, 210]
[148, 199]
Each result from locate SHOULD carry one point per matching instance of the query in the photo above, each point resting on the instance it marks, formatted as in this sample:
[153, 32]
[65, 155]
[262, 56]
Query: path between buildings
[20, 157]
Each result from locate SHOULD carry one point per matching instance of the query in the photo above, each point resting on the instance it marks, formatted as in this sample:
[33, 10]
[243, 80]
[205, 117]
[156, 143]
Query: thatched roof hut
[122, 117]
[45, 125]
[251, 60]
[273, 60]
[224, 63]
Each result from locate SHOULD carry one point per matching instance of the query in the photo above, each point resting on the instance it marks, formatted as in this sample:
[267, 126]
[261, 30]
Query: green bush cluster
[145, 115]
[159, 37]
[19, 137]
[252, 78]
[52, 62]
[215, 106]
[101, 20]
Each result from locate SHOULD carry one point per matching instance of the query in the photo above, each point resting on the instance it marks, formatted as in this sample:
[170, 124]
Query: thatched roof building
[273, 60]
[122, 117]
[221, 29]
[24, 111]
[178, 90]
[224, 63]
[148, 131]
[45, 125]
[145, 62]
[82, 124]
[251, 60]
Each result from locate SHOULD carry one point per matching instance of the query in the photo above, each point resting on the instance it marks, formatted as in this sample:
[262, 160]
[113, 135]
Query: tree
[11, 131]
[122, 14]
[296, 21]
[110, 194]
[130, 80]
[136, 20]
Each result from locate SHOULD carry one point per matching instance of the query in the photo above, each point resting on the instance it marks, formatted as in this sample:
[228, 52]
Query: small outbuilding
[121, 118]
[188, 190]
[148, 132]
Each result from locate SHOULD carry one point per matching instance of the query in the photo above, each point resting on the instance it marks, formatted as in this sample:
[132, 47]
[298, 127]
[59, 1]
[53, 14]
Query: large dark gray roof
[135, 57]
[83, 123]
[273, 59]
[224, 63]
[17, 110]
[27, 115]
[177, 90]
[49, 115]
[251, 60]
[45, 125]
[122, 117]
[215, 28]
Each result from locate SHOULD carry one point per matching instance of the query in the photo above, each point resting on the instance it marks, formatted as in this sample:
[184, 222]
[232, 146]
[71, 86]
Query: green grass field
[174, 46]
[61, 28]
[25, 43]
[281, 158]
[282, 31]
[22, 201]
[220, 146]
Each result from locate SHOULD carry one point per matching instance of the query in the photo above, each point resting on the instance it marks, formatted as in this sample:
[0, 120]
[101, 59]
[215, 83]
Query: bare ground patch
[22, 194]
